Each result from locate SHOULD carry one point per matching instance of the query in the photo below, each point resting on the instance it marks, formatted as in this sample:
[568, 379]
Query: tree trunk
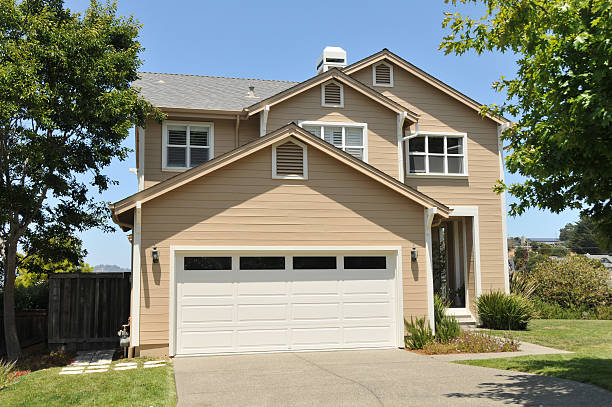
[13, 348]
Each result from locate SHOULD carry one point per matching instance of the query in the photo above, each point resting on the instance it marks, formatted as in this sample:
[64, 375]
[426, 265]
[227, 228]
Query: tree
[582, 236]
[67, 105]
[561, 93]
[34, 268]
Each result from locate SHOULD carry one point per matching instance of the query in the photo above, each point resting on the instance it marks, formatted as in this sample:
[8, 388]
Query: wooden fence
[31, 328]
[86, 310]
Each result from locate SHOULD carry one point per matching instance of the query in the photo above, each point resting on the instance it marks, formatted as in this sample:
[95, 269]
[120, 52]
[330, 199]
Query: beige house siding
[382, 122]
[242, 205]
[224, 141]
[440, 112]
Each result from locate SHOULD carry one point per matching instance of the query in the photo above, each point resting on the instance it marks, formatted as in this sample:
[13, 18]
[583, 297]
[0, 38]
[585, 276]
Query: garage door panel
[264, 338]
[367, 335]
[316, 287]
[316, 336]
[320, 312]
[205, 341]
[262, 312]
[207, 313]
[367, 309]
[263, 288]
[268, 310]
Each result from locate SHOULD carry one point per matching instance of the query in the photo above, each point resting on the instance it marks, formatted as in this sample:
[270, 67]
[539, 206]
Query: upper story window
[332, 94]
[186, 144]
[382, 74]
[350, 137]
[437, 154]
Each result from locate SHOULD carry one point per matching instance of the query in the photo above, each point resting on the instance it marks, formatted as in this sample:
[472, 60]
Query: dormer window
[289, 160]
[382, 74]
[332, 94]
[186, 144]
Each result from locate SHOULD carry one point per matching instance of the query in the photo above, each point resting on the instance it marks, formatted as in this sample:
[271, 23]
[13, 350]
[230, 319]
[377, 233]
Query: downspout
[141, 158]
[263, 120]
[429, 216]
[400, 144]
[500, 148]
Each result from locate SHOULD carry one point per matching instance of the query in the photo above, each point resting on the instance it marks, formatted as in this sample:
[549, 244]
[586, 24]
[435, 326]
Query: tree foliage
[66, 106]
[561, 92]
[582, 237]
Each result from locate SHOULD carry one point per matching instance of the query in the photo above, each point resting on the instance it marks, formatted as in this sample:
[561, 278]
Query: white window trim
[304, 160]
[427, 174]
[386, 85]
[211, 142]
[364, 126]
[323, 94]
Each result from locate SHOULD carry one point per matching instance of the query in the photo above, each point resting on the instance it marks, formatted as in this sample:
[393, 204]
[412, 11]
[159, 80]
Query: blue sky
[282, 40]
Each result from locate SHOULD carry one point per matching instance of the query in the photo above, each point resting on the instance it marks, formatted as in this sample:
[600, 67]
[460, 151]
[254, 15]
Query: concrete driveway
[366, 378]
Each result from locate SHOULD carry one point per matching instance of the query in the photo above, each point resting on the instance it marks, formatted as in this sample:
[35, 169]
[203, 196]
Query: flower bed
[472, 342]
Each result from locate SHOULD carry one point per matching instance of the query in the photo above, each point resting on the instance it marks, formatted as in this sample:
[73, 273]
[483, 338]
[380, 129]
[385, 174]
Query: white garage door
[278, 301]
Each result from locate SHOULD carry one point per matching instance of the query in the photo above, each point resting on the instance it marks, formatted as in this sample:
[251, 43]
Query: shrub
[473, 342]
[447, 327]
[499, 310]
[559, 251]
[522, 285]
[419, 333]
[545, 310]
[30, 297]
[5, 373]
[603, 312]
[575, 282]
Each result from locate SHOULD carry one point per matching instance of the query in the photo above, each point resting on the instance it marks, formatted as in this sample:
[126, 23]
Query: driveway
[366, 378]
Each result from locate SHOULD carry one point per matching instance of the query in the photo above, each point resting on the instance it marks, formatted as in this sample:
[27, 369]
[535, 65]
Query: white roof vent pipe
[331, 57]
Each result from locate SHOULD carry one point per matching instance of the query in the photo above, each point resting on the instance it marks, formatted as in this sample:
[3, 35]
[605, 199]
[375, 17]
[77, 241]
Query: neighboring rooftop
[206, 92]
[543, 239]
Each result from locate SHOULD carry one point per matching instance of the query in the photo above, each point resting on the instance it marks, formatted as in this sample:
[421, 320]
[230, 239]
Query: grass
[137, 387]
[590, 340]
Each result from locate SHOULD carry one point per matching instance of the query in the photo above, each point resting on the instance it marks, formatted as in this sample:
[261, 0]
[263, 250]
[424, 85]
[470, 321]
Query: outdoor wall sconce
[155, 254]
[414, 254]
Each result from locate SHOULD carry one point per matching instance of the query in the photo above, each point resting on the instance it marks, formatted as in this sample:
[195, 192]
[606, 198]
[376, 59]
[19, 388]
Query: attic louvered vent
[289, 161]
[333, 95]
[383, 75]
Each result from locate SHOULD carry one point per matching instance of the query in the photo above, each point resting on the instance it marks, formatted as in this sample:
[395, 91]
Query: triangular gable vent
[289, 161]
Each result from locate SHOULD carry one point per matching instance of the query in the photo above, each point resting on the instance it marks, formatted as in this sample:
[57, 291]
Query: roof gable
[286, 132]
[386, 55]
[339, 76]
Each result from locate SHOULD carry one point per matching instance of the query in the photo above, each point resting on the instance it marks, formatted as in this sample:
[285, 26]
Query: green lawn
[591, 340]
[138, 387]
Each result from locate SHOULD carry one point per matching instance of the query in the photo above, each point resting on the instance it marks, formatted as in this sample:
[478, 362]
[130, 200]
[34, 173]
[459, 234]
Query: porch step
[465, 318]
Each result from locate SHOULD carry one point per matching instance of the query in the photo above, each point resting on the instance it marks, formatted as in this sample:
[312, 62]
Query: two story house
[284, 216]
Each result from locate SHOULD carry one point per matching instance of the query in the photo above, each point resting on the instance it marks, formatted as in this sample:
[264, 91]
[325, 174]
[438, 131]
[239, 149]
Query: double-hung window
[436, 154]
[186, 145]
[350, 137]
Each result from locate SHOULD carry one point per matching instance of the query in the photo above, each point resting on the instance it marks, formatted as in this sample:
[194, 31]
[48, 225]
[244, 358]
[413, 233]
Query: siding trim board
[291, 130]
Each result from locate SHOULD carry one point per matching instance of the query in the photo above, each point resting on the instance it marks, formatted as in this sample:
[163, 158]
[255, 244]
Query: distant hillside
[110, 268]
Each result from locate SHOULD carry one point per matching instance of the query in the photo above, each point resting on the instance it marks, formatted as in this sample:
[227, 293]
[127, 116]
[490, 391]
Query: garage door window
[262, 263]
[314, 262]
[208, 263]
[365, 262]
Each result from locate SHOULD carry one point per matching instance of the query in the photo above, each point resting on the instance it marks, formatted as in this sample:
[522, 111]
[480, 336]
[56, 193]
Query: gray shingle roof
[205, 92]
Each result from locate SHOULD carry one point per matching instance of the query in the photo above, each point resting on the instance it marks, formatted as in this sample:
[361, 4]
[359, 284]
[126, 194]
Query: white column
[136, 271]
[429, 215]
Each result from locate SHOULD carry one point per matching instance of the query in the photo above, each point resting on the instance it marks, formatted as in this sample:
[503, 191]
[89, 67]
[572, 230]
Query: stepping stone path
[100, 361]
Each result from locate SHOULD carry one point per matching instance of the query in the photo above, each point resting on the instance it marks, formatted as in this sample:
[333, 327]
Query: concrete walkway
[525, 349]
[367, 378]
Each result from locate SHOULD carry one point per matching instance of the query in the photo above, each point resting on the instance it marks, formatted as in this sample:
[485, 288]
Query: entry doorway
[449, 274]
